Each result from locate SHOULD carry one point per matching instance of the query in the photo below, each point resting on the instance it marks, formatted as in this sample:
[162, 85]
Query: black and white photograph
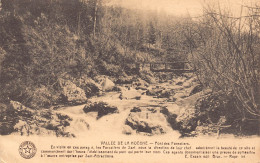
[164, 74]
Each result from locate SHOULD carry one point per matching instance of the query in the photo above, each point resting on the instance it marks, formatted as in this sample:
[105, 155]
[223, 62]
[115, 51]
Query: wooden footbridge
[177, 67]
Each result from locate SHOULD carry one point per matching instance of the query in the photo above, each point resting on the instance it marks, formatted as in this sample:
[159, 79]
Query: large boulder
[7, 119]
[44, 122]
[221, 109]
[160, 92]
[18, 106]
[12, 114]
[26, 128]
[21, 110]
[105, 82]
[90, 87]
[148, 120]
[15, 118]
[51, 122]
[216, 105]
[187, 121]
[101, 108]
[107, 85]
[215, 112]
[70, 93]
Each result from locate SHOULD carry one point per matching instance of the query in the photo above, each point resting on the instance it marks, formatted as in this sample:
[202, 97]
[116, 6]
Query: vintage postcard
[126, 81]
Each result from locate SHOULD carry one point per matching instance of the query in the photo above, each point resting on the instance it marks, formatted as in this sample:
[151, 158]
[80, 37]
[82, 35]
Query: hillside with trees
[42, 41]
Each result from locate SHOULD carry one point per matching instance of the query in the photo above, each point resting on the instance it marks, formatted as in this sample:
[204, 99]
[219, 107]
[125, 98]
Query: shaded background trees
[41, 41]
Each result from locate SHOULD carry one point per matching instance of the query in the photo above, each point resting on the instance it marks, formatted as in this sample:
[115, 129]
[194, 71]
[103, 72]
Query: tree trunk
[95, 19]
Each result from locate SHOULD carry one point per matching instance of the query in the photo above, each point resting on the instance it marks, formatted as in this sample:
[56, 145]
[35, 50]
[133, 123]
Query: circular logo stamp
[27, 149]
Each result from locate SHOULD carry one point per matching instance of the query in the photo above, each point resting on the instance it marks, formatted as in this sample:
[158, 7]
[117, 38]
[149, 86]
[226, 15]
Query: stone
[136, 109]
[179, 83]
[90, 87]
[22, 127]
[107, 85]
[187, 120]
[172, 99]
[11, 115]
[196, 89]
[147, 120]
[105, 82]
[160, 92]
[164, 94]
[140, 83]
[124, 80]
[141, 88]
[118, 88]
[19, 107]
[21, 110]
[71, 93]
[16, 118]
[101, 108]
[153, 91]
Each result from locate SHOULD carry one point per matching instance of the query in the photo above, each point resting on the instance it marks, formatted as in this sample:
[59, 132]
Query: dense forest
[42, 41]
